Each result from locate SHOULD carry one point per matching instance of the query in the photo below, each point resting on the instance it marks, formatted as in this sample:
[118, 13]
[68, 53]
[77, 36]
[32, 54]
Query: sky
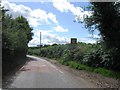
[55, 20]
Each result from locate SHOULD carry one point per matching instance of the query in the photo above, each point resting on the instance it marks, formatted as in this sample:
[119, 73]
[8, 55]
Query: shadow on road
[30, 59]
[6, 80]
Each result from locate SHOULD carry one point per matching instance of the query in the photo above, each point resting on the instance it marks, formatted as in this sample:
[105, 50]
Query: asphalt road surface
[39, 73]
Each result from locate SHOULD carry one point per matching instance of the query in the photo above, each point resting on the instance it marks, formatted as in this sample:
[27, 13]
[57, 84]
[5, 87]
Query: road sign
[73, 40]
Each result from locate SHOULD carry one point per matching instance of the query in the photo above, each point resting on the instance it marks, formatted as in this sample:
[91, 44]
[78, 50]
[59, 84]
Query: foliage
[106, 19]
[89, 54]
[16, 33]
[65, 52]
[81, 56]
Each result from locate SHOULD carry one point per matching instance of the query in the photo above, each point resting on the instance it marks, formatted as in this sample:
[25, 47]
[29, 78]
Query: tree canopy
[106, 18]
[16, 32]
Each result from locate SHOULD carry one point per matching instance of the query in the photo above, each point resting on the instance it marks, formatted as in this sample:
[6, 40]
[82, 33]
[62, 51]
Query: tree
[24, 27]
[16, 33]
[106, 19]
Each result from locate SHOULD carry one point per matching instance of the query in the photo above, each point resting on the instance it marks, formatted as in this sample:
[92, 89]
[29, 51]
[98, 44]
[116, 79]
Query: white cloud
[65, 6]
[53, 18]
[16, 10]
[60, 29]
[35, 17]
[47, 38]
[62, 6]
[87, 40]
[38, 17]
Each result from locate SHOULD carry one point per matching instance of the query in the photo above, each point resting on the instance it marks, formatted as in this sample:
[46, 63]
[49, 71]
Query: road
[39, 73]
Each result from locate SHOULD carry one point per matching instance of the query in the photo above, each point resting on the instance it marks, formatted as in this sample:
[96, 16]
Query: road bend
[40, 73]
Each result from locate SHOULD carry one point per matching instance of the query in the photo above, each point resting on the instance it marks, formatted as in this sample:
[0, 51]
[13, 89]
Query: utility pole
[40, 41]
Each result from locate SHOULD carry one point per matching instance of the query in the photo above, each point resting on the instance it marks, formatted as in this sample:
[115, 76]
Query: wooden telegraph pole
[40, 41]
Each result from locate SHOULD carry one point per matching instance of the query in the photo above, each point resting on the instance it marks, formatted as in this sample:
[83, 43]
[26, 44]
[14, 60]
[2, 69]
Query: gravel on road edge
[99, 80]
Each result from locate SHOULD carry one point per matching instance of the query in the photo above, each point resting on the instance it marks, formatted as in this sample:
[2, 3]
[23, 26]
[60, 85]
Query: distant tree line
[16, 33]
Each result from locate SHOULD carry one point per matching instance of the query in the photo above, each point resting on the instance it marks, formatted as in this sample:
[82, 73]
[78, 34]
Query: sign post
[73, 40]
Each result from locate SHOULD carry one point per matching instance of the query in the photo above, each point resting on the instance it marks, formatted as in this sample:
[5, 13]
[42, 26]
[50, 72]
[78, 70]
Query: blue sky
[54, 20]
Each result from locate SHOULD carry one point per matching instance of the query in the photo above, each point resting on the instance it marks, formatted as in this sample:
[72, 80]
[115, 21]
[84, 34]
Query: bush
[88, 56]
[61, 61]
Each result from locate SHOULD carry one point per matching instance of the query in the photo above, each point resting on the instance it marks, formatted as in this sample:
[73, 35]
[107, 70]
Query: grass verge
[102, 71]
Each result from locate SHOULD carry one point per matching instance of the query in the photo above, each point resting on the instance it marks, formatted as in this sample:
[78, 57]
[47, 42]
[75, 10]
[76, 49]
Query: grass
[102, 71]
[107, 73]
[73, 64]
